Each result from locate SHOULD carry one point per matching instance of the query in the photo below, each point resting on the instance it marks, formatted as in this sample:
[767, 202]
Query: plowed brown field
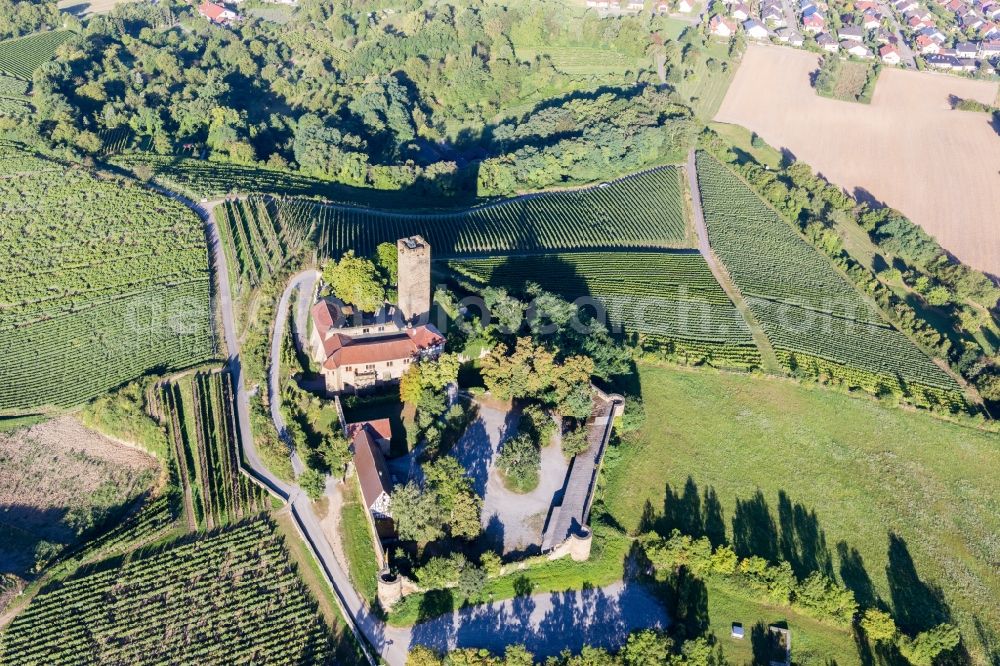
[908, 148]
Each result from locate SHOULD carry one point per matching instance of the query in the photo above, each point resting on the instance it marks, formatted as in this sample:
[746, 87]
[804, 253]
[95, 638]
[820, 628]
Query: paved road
[905, 52]
[769, 358]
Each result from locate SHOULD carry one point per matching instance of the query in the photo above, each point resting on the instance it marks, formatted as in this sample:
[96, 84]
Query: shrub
[520, 462]
[471, 581]
[930, 644]
[575, 442]
[441, 571]
[879, 626]
[313, 482]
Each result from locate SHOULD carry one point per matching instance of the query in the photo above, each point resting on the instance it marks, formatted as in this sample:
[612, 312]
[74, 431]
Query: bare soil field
[56, 480]
[907, 149]
[88, 7]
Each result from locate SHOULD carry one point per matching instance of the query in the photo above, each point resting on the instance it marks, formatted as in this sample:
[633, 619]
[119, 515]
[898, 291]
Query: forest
[370, 96]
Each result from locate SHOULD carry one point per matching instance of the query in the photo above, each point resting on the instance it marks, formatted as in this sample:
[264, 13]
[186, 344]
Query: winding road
[547, 623]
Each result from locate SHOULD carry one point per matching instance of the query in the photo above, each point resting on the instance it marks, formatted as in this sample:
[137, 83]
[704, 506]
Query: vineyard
[22, 56]
[641, 211]
[230, 596]
[819, 324]
[197, 411]
[670, 299]
[108, 281]
[259, 234]
[14, 108]
[11, 87]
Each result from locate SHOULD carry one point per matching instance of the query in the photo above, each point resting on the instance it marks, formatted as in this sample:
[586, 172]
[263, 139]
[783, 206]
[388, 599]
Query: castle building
[414, 255]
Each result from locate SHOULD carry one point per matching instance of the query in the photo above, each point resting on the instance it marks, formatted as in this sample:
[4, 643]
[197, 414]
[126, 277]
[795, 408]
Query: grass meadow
[901, 507]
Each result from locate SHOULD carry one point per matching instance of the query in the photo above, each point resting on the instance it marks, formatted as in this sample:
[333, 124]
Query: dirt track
[907, 148]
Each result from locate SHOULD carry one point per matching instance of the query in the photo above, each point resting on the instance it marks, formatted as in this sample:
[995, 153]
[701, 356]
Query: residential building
[814, 23]
[755, 29]
[720, 26]
[856, 49]
[852, 33]
[827, 42]
[217, 13]
[889, 54]
[740, 12]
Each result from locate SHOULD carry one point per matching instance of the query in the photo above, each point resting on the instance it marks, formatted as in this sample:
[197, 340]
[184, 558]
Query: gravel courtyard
[511, 519]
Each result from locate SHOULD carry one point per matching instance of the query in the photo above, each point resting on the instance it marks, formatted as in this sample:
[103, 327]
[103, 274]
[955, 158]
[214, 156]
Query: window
[370, 366]
[364, 330]
[389, 364]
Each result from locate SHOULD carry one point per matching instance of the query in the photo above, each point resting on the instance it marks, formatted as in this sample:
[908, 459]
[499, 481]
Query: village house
[926, 45]
[789, 36]
[889, 54]
[827, 43]
[720, 26]
[989, 49]
[217, 13]
[814, 23]
[635, 5]
[966, 50]
[755, 29]
[852, 33]
[855, 49]
[683, 6]
[771, 14]
[871, 21]
[941, 61]
[740, 12]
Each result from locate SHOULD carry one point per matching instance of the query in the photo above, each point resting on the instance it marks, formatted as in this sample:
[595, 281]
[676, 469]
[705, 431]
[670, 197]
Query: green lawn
[813, 642]
[358, 544]
[585, 61]
[706, 88]
[836, 477]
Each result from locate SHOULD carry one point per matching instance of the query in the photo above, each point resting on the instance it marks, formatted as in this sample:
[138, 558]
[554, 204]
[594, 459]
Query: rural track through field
[769, 360]
[625, 606]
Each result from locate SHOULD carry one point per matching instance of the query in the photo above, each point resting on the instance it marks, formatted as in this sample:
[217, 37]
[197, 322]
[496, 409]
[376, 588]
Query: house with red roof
[366, 353]
[217, 13]
[889, 54]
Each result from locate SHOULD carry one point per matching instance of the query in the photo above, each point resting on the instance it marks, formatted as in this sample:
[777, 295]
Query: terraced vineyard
[197, 412]
[815, 318]
[670, 299]
[22, 56]
[107, 282]
[231, 596]
[641, 211]
[260, 234]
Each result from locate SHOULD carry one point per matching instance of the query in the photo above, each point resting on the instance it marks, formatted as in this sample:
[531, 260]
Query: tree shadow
[917, 605]
[754, 530]
[692, 513]
[855, 576]
[802, 543]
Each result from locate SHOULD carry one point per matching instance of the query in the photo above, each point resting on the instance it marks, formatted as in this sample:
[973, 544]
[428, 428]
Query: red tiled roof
[370, 465]
[211, 10]
[344, 350]
[380, 428]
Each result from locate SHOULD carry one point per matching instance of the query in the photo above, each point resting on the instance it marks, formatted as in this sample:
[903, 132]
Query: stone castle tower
[414, 254]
